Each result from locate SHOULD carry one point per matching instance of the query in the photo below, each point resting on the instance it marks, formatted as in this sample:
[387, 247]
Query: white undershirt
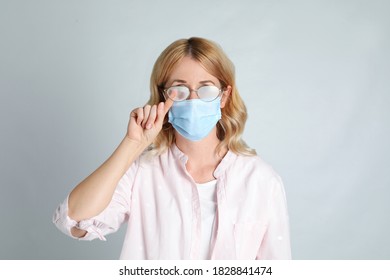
[208, 206]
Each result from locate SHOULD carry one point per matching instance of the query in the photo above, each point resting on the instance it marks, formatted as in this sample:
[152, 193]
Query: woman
[182, 177]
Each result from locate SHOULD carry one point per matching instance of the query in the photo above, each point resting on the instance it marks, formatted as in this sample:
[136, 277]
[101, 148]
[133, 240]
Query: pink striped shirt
[159, 200]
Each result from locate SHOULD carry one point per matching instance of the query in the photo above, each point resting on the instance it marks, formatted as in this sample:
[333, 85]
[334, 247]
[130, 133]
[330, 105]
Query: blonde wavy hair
[211, 56]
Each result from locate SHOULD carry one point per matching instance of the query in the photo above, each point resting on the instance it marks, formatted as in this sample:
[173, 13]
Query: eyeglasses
[181, 93]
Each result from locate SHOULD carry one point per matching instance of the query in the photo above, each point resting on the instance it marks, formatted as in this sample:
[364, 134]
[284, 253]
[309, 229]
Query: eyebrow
[184, 82]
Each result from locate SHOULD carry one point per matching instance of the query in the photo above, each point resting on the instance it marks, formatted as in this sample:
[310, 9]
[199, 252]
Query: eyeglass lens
[180, 93]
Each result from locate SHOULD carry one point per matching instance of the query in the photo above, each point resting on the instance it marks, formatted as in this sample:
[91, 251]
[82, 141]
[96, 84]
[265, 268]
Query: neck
[199, 151]
[202, 156]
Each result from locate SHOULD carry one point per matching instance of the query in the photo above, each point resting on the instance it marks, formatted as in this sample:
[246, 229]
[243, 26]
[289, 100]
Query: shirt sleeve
[276, 241]
[109, 220]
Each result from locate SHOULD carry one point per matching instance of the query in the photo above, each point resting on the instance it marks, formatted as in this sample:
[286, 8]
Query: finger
[137, 115]
[160, 113]
[146, 115]
[152, 117]
[163, 109]
[168, 103]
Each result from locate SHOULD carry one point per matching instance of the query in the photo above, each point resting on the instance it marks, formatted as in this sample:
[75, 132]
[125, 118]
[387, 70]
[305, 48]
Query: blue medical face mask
[194, 118]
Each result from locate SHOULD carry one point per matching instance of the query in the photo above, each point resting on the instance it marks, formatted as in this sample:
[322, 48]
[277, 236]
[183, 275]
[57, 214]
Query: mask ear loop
[221, 130]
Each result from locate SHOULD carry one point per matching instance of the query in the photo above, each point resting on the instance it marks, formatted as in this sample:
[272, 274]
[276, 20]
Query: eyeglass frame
[165, 90]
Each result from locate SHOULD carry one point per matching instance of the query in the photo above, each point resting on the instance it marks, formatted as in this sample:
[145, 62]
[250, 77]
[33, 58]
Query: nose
[193, 94]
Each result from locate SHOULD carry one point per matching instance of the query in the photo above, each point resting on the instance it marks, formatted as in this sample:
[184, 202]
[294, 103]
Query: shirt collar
[227, 160]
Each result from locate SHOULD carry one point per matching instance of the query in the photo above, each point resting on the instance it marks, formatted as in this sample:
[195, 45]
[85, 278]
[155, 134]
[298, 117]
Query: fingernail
[149, 126]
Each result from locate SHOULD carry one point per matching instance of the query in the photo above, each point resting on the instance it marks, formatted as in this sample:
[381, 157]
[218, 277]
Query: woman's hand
[94, 193]
[145, 123]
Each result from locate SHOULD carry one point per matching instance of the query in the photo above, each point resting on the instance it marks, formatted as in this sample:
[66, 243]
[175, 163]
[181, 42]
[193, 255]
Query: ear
[225, 96]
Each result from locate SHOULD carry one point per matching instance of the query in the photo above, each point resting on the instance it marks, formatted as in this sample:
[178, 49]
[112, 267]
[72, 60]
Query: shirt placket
[196, 225]
[223, 244]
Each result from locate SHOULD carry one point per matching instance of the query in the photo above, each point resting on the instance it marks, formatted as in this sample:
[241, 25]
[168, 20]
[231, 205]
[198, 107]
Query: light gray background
[314, 76]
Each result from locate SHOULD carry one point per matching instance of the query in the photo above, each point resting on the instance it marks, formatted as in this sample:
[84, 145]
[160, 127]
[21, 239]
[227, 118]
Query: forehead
[191, 71]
